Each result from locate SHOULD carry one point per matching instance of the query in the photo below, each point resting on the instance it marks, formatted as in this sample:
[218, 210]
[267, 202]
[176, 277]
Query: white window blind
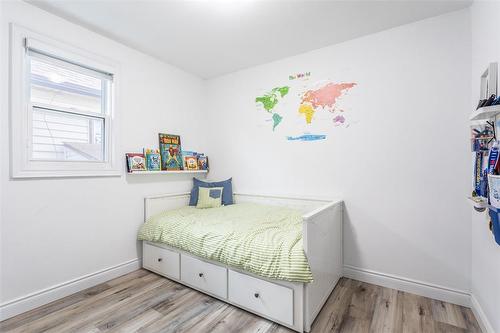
[70, 104]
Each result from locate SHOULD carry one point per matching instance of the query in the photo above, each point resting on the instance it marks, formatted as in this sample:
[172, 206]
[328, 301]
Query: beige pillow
[209, 197]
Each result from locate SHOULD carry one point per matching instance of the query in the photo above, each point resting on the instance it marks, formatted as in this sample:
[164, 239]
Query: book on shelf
[202, 162]
[170, 151]
[135, 162]
[190, 163]
[153, 159]
[190, 160]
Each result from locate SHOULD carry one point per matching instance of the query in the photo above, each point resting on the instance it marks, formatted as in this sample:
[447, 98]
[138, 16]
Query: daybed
[291, 304]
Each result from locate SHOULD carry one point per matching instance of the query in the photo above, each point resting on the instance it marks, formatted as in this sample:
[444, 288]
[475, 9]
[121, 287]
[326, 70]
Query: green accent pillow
[209, 197]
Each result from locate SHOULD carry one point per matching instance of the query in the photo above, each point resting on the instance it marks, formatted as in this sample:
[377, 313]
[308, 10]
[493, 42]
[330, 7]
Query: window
[62, 115]
[69, 109]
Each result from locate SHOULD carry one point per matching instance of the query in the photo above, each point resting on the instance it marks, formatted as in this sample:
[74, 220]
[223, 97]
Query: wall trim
[483, 321]
[425, 289]
[31, 301]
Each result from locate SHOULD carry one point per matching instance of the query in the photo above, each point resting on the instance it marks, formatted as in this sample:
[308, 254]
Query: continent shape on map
[327, 95]
[324, 97]
[276, 120]
[271, 98]
[339, 120]
[308, 112]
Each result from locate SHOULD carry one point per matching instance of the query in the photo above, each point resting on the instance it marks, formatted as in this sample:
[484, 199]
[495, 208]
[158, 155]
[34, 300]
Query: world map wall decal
[307, 103]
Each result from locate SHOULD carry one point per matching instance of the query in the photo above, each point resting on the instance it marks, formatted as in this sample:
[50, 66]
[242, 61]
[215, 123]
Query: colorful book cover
[153, 159]
[136, 162]
[203, 162]
[188, 154]
[170, 151]
[190, 163]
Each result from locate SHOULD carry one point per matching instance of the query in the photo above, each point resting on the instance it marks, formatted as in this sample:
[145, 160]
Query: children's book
[188, 155]
[153, 159]
[190, 163]
[170, 151]
[202, 162]
[135, 162]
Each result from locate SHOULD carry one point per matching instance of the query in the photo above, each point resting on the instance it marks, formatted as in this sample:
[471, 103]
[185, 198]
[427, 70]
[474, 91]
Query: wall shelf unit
[165, 172]
[485, 113]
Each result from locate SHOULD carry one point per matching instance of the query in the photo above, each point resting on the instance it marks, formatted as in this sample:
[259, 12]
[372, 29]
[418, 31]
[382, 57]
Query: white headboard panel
[308, 206]
[159, 203]
[305, 205]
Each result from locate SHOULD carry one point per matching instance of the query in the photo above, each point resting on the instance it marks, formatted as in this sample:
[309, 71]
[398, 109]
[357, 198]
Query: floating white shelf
[166, 172]
[486, 112]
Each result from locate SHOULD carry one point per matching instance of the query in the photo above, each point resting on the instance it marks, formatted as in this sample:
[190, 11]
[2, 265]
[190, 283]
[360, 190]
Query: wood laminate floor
[145, 302]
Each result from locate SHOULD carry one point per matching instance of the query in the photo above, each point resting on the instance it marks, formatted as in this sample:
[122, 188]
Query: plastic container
[495, 220]
[494, 190]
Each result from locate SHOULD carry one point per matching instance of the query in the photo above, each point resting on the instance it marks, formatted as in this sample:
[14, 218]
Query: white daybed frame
[322, 239]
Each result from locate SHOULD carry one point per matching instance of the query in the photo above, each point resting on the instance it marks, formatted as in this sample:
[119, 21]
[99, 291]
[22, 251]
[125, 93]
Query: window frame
[22, 164]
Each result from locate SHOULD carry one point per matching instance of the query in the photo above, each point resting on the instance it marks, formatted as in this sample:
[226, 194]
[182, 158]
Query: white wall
[485, 252]
[56, 230]
[406, 214]
[403, 169]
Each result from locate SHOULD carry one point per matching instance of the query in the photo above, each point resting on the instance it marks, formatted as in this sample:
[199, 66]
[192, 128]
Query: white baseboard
[39, 298]
[483, 321]
[408, 285]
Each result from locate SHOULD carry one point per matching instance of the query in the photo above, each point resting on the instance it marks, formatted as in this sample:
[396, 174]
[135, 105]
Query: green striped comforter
[263, 240]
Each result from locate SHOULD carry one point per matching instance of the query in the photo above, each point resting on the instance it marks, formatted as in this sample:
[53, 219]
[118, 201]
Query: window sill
[65, 174]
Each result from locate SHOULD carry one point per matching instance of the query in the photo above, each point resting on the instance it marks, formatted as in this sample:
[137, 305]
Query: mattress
[260, 239]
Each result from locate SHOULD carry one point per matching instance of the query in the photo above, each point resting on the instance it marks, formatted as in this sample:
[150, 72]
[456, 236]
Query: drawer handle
[200, 274]
[256, 295]
[160, 259]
